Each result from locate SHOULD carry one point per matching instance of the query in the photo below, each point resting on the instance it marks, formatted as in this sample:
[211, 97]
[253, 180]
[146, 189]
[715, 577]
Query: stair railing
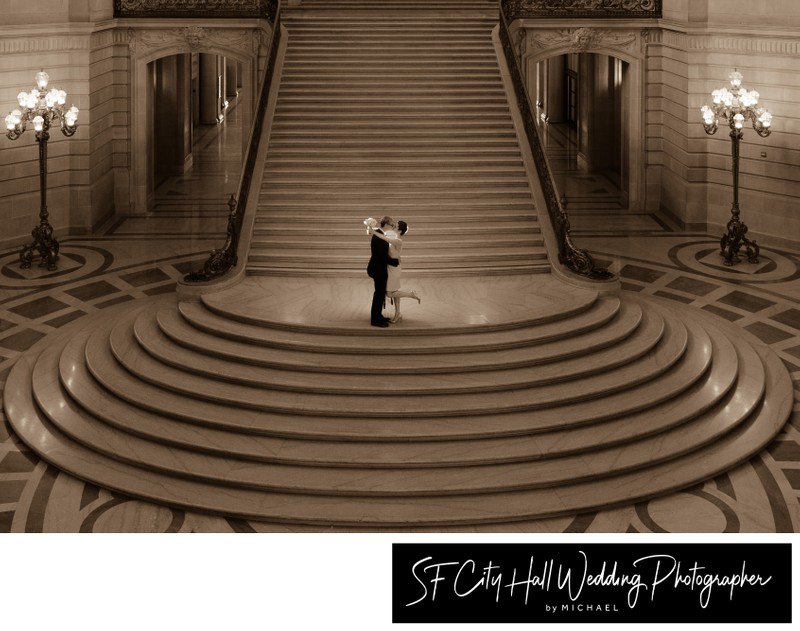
[222, 260]
[576, 260]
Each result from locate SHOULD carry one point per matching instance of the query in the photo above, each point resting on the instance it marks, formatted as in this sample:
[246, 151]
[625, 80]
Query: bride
[393, 290]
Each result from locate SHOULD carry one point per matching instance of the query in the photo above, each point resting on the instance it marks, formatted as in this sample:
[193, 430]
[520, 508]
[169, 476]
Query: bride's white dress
[393, 282]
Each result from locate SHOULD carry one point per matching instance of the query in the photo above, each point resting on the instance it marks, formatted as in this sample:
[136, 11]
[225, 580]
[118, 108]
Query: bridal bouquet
[371, 223]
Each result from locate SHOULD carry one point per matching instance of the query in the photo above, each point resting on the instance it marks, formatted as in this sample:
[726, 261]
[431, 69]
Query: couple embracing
[384, 268]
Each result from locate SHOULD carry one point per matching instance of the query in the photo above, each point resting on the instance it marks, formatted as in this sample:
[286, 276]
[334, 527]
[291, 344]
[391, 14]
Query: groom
[376, 270]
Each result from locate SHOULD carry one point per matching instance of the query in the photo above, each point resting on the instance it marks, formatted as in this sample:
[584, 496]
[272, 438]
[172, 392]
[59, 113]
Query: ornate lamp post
[736, 106]
[41, 108]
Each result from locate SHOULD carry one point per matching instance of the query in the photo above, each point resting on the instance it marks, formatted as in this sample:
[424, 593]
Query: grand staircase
[505, 396]
[401, 115]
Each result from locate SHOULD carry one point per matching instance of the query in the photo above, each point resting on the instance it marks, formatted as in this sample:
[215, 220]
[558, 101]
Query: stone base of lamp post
[45, 243]
[733, 240]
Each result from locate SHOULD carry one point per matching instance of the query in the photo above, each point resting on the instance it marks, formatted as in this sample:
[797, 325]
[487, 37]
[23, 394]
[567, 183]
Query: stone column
[172, 111]
[231, 79]
[598, 116]
[210, 79]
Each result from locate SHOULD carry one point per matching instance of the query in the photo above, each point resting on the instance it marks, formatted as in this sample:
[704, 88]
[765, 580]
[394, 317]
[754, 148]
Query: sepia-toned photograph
[346, 274]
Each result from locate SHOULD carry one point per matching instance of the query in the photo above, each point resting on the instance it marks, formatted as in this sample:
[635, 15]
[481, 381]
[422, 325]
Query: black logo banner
[587, 583]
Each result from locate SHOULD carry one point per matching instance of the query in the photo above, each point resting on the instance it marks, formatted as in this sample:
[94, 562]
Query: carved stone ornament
[522, 42]
[586, 39]
[194, 36]
[145, 41]
[195, 8]
[515, 9]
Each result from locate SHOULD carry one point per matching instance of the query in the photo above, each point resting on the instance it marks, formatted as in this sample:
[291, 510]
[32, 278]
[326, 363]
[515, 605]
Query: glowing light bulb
[41, 79]
[38, 123]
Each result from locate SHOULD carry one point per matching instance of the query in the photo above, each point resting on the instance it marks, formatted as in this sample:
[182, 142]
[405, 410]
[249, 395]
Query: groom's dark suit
[376, 270]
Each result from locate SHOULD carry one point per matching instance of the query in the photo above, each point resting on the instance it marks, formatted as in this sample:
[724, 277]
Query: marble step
[288, 229]
[481, 60]
[414, 254]
[521, 347]
[414, 131]
[404, 58]
[395, 193]
[232, 321]
[472, 213]
[403, 166]
[406, 438]
[467, 55]
[278, 243]
[296, 160]
[419, 75]
[342, 101]
[374, 146]
[262, 270]
[409, 34]
[417, 263]
[367, 427]
[473, 94]
[128, 342]
[376, 111]
[412, 119]
[484, 449]
[737, 444]
[385, 178]
[354, 395]
[431, 512]
[398, 480]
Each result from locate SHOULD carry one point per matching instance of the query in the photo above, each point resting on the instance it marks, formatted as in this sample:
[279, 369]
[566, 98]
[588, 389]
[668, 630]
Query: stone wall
[89, 54]
[689, 173]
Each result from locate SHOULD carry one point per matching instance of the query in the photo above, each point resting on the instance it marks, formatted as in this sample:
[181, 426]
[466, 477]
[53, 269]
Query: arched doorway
[192, 96]
[172, 102]
[587, 87]
[583, 106]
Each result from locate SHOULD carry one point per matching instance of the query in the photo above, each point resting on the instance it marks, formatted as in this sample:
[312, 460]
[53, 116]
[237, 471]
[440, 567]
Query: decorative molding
[584, 39]
[516, 9]
[45, 44]
[522, 43]
[745, 45]
[142, 42]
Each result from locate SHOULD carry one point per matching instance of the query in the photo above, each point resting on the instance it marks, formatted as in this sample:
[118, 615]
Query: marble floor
[136, 257]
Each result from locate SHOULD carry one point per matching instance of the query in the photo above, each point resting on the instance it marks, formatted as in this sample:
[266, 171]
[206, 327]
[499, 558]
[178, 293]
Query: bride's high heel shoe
[416, 297]
[397, 318]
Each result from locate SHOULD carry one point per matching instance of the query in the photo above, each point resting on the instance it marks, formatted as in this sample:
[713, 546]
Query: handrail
[224, 259]
[217, 9]
[578, 261]
[516, 9]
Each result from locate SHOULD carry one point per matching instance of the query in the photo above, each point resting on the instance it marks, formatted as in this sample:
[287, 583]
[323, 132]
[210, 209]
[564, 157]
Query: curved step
[303, 508]
[412, 358]
[532, 367]
[241, 443]
[399, 481]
